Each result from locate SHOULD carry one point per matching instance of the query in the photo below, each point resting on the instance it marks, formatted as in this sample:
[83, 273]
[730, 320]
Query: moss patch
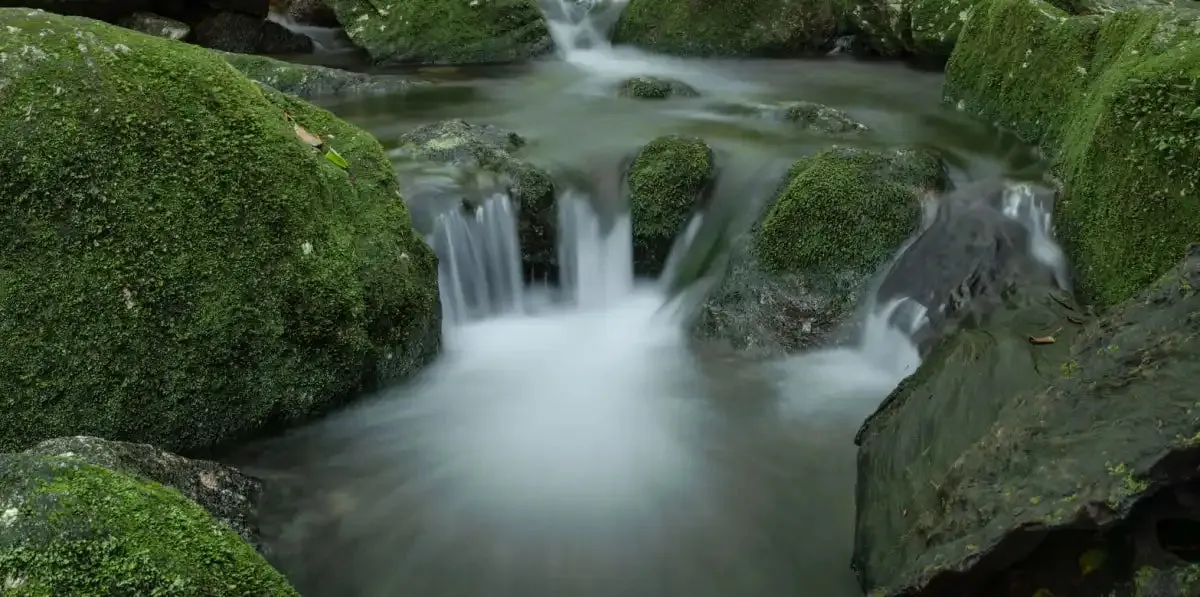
[311, 81]
[179, 268]
[655, 88]
[67, 528]
[1113, 99]
[668, 180]
[845, 209]
[730, 28]
[445, 31]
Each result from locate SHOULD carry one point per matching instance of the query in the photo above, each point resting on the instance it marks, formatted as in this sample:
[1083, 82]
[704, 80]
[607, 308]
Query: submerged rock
[492, 150]
[231, 497]
[803, 114]
[763, 28]
[838, 216]
[445, 31]
[71, 528]
[1122, 129]
[152, 24]
[245, 34]
[311, 81]
[655, 88]
[669, 180]
[182, 266]
[1032, 450]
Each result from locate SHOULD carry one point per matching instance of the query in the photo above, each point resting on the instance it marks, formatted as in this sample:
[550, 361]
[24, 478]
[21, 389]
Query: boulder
[1111, 97]
[152, 24]
[490, 150]
[655, 88]
[794, 278]
[773, 28]
[445, 31]
[105, 10]
[228, 495]
[245, 34]
[311, 81]
[1037, 451]
[182, 267]
[315, 13]
[804, 115]
[72, 528]
[669, 181]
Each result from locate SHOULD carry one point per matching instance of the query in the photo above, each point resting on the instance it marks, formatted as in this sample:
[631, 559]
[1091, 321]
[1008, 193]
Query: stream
[574, 441]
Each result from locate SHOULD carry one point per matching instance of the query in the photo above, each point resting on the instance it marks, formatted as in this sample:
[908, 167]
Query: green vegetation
[669, 179]
[730, 28]
[310, 81]
[655, 88]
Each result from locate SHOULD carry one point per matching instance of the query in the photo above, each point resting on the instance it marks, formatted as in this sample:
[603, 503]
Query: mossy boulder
[488, 149]
[445, 31]
[180, 267]
[655, 88]
[1112, 98]
[70, 528]
[228, 495]
[669, 180]
[152, 24]
[311, 81]
[837, 216]
[1029, 438]
[803, 115]
[730, 28]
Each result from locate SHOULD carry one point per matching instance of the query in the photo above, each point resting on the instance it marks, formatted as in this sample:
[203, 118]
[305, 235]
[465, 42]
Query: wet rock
[257, 8]
[655, 88]
[71, 528]
[669, 180]
[316, 13]
[489, 149]
[228, 495]
[152, 24]
[802, 114]
[793, 279]
[245, 34]
[445, 31]
[186, 307]
[1008, 460]
[311, 81]
[766, 28]
[1125, 214]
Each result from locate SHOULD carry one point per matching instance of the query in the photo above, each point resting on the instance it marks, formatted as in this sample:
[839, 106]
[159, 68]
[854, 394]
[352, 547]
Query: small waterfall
[479, 270]
[326, 39]
[596, 266]
[581, 24]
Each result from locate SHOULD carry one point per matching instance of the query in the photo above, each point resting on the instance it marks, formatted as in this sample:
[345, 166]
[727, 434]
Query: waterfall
[479, 269]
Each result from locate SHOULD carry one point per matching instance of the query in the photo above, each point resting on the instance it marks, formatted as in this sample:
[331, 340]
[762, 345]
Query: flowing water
[571, 441]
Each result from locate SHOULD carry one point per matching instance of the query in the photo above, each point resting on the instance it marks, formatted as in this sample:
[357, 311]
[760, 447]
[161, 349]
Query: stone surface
[655, 88]
[311, 81]
[669, 181]
[245, 34]
[152, 24]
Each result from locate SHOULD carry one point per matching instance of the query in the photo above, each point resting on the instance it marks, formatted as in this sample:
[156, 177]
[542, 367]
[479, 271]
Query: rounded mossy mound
[445, 31]
[668, 180]
[182, 267]
[69, 528]
[655, 88]
[845, 208]
[730, 28]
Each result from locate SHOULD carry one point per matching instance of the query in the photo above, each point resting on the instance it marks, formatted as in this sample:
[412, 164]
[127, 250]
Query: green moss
[180, 268]
[668, 180]
[309, 81]
[845, 209]
[1113, 100]
[1183, 581]
[730, 28]
[67, 528]
[655, 88]
[445, 31]
[934, 25]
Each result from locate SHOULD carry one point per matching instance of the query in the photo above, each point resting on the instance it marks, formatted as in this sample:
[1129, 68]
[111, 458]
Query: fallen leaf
[335, 157]
[307, 137]
[1041, 339]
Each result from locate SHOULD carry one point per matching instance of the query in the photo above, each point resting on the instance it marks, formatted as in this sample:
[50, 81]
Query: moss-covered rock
[180, 267]
[69, 528]
[668, 181]
[1183, 581]
[655, 88]
[445, 31]
[1113, 100]
[838, 215]
[152, 24]
[311, 81]
[230, 496]
[731, 27]
[491, 150]
[1007, 456]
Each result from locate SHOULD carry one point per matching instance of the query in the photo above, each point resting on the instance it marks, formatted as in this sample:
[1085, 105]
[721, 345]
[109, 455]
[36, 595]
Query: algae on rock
[180, 268]
[730, 28]
[669, 181]
[999, 446]
[445, 31]
[70, 528]
[1112, 99]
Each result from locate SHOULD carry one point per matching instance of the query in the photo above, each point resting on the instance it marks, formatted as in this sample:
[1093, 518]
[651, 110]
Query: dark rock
[311, 81]
[104, 10]
[256, 8]
[655, 88]
[1003, 460]
[245, 34]
[152, 24]
[669, 180]
[316, 13]
[489, 149]
[230, 496]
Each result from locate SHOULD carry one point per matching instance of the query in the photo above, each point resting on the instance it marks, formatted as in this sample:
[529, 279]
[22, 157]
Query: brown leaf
[307, 137]
[1041, 339]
